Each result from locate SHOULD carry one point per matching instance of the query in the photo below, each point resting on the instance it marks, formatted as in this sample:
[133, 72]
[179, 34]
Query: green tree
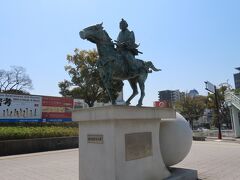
[237, 91]
[192, 108]
[85, 81]
[64, 88]
[224, 111]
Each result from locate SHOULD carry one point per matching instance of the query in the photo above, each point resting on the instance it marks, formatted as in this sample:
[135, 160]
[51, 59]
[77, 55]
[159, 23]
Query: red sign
[56, 115]
[57, 101]
[162, 104]
[56, 107]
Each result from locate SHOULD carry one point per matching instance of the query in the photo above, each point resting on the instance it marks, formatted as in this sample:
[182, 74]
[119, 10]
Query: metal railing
[232, 99]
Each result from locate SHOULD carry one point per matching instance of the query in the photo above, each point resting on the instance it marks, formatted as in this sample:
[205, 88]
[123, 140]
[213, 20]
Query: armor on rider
[127, 46]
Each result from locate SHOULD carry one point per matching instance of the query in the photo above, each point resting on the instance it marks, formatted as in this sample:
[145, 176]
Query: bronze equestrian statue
[117, 62]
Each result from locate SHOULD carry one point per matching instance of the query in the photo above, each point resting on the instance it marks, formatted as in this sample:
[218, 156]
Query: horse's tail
[149, 65]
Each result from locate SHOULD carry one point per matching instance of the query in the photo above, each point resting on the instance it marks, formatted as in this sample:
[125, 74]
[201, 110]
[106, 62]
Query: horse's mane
[107, 36]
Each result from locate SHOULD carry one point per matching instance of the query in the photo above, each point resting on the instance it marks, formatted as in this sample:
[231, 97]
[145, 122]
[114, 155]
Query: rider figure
[126, 45]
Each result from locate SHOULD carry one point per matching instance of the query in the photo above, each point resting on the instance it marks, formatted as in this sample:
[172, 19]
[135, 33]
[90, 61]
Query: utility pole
[212, 88]
[217, 113]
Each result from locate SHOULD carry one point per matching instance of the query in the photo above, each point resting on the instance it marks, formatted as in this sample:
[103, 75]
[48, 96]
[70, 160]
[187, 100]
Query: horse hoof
[127, 103]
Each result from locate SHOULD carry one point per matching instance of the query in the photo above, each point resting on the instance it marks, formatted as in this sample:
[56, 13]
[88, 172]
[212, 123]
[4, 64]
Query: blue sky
[190, 40]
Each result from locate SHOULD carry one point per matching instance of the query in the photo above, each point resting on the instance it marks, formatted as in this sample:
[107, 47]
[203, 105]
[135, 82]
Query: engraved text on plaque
[138, 145]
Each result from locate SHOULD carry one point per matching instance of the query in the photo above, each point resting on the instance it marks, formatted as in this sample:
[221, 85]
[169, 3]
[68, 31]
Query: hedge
[29, 132]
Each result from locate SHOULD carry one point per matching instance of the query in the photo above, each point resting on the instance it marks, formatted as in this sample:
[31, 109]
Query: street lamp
[212, 88]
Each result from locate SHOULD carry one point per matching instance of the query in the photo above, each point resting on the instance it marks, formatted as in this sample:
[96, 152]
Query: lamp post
[212, 88]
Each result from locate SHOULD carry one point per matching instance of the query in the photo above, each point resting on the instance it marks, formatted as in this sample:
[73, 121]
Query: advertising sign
[79, 104]
[56, 109]
[30, 108]
[20, 108]
[161, 104]
[209, 86]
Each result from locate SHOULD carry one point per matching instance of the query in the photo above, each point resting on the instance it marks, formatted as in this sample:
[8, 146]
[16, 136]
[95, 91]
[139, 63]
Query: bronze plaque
[138, 145]
[95, 138]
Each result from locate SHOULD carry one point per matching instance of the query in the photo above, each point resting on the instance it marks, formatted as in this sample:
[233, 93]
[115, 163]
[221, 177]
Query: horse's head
[94, 34]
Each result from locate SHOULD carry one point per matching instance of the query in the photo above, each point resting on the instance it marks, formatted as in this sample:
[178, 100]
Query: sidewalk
[52, 165]
[224, 139]
[213, 160]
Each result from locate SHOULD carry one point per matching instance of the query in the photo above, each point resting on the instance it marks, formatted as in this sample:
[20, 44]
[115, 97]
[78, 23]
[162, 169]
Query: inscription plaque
[138, 145]
[95, 138]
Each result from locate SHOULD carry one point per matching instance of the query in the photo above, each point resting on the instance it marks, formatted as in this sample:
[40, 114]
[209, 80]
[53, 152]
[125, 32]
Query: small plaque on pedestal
[95, 138]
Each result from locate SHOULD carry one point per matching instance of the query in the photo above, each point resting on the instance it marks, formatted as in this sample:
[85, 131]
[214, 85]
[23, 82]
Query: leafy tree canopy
[85, 81]
[224, 111]
[192, 108]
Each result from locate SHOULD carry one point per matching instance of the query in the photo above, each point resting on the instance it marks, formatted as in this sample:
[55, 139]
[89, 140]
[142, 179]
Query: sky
[192, 41]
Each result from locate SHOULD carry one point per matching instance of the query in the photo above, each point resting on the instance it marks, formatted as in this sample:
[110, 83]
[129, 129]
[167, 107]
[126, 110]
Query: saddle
[129, 47]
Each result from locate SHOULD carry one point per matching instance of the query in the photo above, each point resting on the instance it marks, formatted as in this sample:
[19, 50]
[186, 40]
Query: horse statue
[112, 65]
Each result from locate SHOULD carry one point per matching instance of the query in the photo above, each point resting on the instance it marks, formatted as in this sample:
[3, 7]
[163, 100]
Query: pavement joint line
[36, 154]
[219, 142]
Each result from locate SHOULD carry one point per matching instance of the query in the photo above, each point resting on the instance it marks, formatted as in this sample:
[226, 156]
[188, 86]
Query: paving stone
[213, 161]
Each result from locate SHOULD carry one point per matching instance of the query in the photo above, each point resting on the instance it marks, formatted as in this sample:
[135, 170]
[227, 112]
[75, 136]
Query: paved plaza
[52, 165]
[212, 159]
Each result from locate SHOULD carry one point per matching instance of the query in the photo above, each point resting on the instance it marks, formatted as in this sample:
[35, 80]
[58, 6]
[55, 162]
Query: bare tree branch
[15, 79]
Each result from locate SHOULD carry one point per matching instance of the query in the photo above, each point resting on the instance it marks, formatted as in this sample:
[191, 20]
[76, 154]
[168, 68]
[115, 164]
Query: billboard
[57, 109]
[31, 108]
[20, 108]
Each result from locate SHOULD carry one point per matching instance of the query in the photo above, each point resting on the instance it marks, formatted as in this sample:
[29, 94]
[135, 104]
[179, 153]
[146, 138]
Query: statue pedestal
[121, 143]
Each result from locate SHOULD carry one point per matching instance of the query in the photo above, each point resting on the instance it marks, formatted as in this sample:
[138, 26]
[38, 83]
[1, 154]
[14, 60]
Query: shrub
[24, 132]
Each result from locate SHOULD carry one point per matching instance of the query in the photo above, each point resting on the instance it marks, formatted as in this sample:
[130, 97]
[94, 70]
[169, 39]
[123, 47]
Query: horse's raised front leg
[133, 84]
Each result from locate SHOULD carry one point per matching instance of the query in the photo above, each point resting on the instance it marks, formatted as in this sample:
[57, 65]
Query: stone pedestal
[121, 143]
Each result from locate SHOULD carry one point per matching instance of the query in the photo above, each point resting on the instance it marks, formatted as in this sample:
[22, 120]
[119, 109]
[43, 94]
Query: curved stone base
[175, 139]
[180, 174]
